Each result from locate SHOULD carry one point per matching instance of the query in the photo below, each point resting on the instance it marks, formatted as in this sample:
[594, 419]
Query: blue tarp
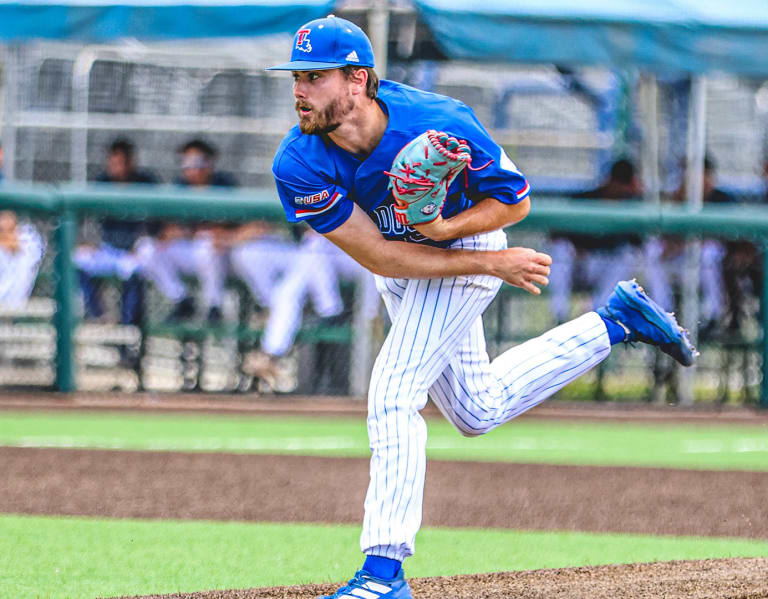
[94, 21]
[661, 35]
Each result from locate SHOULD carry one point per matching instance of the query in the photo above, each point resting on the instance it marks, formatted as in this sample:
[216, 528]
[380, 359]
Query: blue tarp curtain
[93, 21]
[693, 36]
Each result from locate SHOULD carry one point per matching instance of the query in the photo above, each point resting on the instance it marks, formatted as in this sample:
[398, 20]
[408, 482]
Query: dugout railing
[66, 206]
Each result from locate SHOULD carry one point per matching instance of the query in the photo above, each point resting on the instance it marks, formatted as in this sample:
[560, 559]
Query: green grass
[57, 558]
[522, 440]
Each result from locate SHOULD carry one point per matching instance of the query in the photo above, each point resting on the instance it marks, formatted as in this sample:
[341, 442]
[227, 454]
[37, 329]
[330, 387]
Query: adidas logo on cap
[352, 57]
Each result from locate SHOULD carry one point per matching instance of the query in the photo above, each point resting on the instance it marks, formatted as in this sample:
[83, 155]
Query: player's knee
[470, 433]
[475, 430]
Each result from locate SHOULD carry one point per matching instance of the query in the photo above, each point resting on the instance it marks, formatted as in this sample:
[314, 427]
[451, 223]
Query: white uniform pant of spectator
[164, 263]
[317, 268]
[106, 260]
[18, 269]
[436, 346]
[663, 272]
[601, 270]
[260, 263]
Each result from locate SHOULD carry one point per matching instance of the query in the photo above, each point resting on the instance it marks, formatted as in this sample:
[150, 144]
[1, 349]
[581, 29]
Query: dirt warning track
[138, 484]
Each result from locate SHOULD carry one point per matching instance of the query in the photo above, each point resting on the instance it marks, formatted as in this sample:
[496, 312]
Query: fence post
[764, 312]
[65, 286]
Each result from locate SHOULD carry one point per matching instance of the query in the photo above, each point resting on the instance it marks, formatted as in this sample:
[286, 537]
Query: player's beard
[328, 119]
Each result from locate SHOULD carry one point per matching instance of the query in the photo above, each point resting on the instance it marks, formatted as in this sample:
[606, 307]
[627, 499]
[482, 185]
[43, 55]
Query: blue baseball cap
[328, 43]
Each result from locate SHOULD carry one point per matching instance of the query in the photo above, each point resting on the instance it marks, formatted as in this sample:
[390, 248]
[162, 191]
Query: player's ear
[358, 77]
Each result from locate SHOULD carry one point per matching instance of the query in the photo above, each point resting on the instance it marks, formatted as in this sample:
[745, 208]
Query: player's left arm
[487, 215]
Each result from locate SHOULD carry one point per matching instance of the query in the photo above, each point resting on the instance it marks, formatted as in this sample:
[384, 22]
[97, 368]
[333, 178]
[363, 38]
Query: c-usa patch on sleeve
[311, 199]
[316, 203]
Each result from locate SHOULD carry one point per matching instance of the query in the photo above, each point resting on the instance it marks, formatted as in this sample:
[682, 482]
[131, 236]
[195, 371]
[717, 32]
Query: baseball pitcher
[412, 186]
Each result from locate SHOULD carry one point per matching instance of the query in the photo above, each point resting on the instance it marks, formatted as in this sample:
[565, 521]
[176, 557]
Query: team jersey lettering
[390, 228]
[388, 225]
[302, 40]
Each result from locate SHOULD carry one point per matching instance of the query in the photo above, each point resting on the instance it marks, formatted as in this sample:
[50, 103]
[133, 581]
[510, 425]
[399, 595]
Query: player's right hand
[524, 268]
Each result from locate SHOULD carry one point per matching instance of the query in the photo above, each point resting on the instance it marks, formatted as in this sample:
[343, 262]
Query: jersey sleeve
[492, 173]
[310, 195]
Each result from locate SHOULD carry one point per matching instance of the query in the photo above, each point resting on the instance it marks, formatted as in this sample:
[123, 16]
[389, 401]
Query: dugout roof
[153, 20]
[661, 35]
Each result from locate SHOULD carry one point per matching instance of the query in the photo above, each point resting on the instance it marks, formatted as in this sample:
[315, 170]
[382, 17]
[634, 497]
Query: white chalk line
[204, 444]
[338, 443]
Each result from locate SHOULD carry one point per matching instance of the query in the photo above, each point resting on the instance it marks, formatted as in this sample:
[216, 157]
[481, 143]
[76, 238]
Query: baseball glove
[421, 174]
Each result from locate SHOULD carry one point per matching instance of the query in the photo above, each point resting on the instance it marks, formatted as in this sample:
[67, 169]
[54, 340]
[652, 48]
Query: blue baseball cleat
[644, 320]
[363, 585]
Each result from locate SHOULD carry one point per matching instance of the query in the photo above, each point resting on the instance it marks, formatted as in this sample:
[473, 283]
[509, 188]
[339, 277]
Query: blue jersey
[318, 182]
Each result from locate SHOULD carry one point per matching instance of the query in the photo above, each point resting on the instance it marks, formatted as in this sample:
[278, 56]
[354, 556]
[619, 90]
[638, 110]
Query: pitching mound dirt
[710, 579]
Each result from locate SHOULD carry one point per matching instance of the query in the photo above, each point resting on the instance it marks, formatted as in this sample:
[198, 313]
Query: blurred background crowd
[190, 264]
[288, 272]
[244, 305]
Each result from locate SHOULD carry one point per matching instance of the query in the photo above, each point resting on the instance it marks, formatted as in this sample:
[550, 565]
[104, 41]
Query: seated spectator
[21, 251]
[113, 255]
[665, 261]
[198, 167]
[260, 256]
[192, 250]
[596, 260]
[313, 271]
[743, 275]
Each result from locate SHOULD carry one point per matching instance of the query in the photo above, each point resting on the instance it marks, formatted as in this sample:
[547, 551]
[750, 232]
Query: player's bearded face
[314, 120]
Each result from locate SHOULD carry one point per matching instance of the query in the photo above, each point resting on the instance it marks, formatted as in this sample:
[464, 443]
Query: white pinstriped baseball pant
[436, 348]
